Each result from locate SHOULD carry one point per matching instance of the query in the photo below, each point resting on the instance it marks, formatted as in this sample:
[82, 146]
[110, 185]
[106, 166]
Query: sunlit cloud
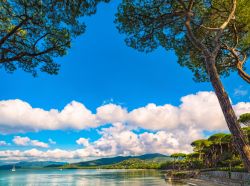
[167, 128]
[26, 141]
[200, 110]
[115, 140]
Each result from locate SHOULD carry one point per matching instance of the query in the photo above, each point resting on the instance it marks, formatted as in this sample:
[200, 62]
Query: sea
[83, 177]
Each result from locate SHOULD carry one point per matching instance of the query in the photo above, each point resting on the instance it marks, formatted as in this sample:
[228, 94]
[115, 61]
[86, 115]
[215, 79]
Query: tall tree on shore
[212, 38]
[33, 32]
[217, 139]
[199, 146]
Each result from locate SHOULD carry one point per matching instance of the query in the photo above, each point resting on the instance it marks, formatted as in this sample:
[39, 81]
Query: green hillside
[134, 163]
[32, 165]
[137, 162]
[146, 161]
[117, 159]
[38, 164]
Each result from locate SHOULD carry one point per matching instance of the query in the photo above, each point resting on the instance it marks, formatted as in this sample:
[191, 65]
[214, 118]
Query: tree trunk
[200, 154]
[239, 139]
[221, 150]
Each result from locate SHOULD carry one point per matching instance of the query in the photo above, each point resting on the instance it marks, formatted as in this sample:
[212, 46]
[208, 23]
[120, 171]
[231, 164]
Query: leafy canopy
[200, 144]
[149, 24]
[33, 32]
[178, 155]
[245, 118]
[218, 138]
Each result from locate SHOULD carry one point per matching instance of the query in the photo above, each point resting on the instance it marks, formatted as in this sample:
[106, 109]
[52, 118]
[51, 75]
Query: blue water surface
[57, 177]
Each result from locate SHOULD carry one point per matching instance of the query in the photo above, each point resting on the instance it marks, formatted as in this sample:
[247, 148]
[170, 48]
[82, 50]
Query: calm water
[83, 177]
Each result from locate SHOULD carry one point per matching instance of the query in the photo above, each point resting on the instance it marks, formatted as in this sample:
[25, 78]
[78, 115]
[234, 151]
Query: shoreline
[205, 178]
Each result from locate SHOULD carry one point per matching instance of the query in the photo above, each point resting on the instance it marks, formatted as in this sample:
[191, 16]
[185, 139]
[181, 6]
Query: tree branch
[43, 36]
[222, 27]
[190, 6]
[230, 17]
[23, 54]
[13, 31]
[182, 4]
[192, 38]
[239, 62]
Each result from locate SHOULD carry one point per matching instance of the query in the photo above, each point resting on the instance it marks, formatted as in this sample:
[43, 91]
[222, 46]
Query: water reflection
[84, 177]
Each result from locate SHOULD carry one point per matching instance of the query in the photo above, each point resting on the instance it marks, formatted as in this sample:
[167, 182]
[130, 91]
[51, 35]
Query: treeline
[134, 163]
[218, 151]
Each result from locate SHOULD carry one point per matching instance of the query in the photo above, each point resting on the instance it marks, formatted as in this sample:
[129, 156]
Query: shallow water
[54, 177]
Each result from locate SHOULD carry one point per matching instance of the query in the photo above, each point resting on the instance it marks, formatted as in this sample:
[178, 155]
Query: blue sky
[100, 69]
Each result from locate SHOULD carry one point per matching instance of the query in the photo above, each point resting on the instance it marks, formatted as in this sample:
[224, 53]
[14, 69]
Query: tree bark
[240, 141]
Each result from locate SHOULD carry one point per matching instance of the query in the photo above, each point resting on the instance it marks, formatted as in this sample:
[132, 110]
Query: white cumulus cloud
[170, 128]
[83, 141]
[200, 110]
[111, 113]
[155, 117]
[22, 141]
[117, 139]
[26, 141]
[120, 139]
[19, 116]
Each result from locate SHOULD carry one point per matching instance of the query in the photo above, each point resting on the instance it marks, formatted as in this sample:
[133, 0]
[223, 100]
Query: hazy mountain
[32, 164]
[149, 158]
[8, 167]
[117, 159]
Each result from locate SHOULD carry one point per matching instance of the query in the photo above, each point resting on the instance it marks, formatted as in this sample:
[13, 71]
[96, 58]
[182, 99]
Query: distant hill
[150, 156]
[102, 161]
[8, 167]
[38, 164]
[54, 165]
[32, 164]
[134, 163]
[143, 161]
[108, 161]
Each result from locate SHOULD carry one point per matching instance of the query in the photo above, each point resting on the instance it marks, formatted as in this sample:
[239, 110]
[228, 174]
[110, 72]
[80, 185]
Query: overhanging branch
[13, 31]
[240, 61]
[231, 16]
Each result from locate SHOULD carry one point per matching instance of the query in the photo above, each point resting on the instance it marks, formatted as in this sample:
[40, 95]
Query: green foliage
[113, 160]
[146, 161]
[200, 144]
[246, 131]
[245, 119]
[160, 23]
[217, 138]
[216, 152]
[134, 164]
[178, 155]
[34, 32]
